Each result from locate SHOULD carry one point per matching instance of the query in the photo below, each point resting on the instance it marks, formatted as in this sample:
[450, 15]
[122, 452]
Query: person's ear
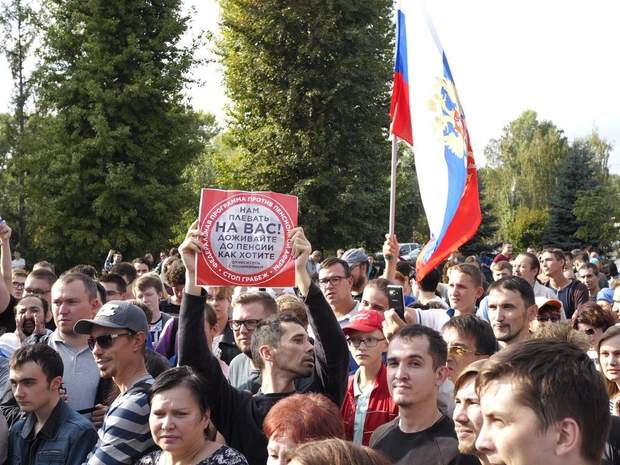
[266, 353]
[567, 438]
[139, 340]
[479, 292]
[55, 383]
[441, 374]
[532, 312]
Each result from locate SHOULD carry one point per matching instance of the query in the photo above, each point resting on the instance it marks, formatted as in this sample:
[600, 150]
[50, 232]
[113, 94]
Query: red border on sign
[211, 271]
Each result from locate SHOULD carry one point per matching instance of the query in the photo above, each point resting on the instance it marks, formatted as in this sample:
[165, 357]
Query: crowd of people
[513, 362]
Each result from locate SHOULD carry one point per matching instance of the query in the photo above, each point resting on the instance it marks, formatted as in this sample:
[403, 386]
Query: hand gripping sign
[245, 239]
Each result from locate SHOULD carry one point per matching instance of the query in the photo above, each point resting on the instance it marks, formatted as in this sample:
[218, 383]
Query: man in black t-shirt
[421, 434]
[280, 349]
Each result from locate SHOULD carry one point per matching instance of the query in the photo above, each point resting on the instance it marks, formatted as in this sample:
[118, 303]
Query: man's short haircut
[515, 284]
[331, 261]
[43, 355]
[380, 284]
[568, 256]
[590, 313]
[126, 270]
[175, 273]
[476, 328]
[557, 380]
[501, 266]
[430, 281]
[557, 253]
[19, 272]
[303, 418]
[437, 347]
[470, 270]
[534, 263]
[269, 304]
[148, 280]
[288, 303]
[115, 279]
[88, 270]
[44, 265]
[589, 266]
[43, 274]
[89, 283]
[269, 333]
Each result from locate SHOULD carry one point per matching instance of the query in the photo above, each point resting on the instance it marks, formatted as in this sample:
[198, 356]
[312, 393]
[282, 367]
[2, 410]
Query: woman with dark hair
[335, 452]
[609, 358]
[178, 420]
[298, 419]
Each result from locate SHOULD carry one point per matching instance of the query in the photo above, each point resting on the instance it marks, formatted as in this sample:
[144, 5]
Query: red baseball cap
[365, 321]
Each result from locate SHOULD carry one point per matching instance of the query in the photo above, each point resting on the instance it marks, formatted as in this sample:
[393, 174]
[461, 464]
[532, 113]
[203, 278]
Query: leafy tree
[19, 30]
[526, 160]
[308, 85]
[528, 228]
[117, 130]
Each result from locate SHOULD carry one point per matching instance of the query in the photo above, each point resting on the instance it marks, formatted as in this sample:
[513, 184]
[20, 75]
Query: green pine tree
[115, 131]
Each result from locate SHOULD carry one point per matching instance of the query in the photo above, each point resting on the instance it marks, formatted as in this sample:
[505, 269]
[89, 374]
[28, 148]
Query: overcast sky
[558, 58]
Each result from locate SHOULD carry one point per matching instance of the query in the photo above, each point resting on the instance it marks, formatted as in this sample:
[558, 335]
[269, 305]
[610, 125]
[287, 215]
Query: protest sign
[244, 236]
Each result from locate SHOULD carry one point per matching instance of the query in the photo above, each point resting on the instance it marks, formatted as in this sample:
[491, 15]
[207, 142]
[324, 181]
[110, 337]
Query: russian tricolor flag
[427, 114]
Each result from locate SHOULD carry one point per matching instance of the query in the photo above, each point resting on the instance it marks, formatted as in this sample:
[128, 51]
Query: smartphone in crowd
[397, 300]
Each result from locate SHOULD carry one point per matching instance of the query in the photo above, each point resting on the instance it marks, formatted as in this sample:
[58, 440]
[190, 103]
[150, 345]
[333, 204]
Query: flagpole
[392, 222]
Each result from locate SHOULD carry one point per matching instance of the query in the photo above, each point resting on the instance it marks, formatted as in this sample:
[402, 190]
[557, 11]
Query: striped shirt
[125, 435]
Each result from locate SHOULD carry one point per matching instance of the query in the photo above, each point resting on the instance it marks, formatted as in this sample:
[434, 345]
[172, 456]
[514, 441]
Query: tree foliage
[308, 84]
[528, 228]
[117, 132]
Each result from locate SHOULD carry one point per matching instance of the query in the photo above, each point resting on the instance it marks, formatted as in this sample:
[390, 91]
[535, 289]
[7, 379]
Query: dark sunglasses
[106, 341]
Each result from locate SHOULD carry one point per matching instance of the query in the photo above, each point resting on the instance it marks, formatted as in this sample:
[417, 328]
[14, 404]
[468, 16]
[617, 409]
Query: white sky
[559, 58]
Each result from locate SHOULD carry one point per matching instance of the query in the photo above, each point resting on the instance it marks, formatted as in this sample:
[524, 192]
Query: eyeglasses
[106, 341]
[333, 280]
[250, 325]
[18, 285]
[545, 318]
[31, 290]
[458, 351]
[367, 341]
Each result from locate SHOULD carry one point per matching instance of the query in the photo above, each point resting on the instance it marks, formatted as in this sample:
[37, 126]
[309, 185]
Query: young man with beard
[280, 349]
[50, 431]
[249, 310]
[421, 434]
[512, 307]
[358, 264]
[117, 338]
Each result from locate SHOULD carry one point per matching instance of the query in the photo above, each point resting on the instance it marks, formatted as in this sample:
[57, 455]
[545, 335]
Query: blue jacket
[66, 438]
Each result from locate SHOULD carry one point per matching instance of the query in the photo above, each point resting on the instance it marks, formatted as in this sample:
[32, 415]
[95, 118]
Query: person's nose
[484, 444]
